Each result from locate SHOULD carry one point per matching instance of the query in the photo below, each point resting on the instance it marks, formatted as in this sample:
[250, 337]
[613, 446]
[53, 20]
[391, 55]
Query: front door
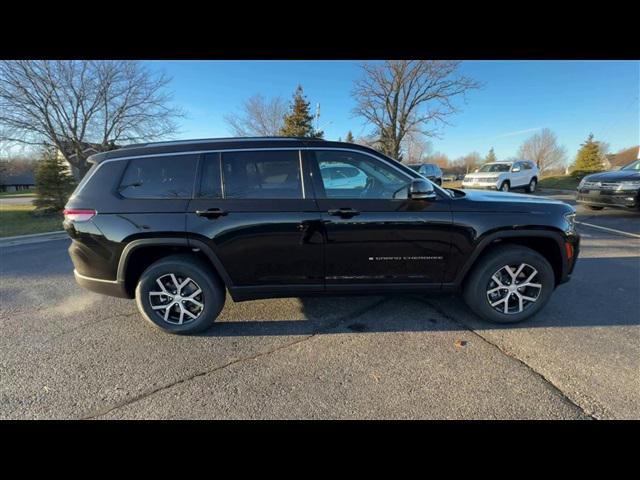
[374, 234]
[254, 211]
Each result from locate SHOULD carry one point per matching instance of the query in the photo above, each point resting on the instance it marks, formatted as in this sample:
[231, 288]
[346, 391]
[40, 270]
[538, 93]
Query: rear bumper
[603, 198]
[112, 288]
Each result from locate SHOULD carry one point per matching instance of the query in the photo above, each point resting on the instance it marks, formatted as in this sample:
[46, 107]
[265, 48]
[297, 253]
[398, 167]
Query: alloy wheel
[179, 299]
[514, 288]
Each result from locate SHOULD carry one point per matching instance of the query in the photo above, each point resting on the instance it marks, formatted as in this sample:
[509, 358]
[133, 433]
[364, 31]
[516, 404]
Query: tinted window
[268, 174]
[527, 165]
[373, 180]
[210, 184]
[159, 177]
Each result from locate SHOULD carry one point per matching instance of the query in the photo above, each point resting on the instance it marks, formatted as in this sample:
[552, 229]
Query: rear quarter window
[159, 177]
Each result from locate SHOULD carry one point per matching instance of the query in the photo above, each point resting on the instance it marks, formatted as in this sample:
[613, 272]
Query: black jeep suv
[177, 224]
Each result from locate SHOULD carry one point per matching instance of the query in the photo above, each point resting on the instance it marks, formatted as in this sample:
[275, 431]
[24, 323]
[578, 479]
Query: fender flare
[168, 241]
[484, 243]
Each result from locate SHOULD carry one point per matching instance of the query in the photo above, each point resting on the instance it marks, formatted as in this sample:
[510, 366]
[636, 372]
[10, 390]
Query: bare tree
[258, 117]
[416, 146]
[400, 96]
[543, 149]
[438, 158]
[69, 104]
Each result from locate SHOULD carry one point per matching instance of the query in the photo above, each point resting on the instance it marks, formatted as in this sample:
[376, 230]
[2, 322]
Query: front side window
[159, 177]
[368, 178]
[262, 174]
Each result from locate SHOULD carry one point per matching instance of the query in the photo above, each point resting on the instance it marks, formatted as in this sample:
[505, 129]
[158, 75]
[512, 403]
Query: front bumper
[609, 198]
[480, 185]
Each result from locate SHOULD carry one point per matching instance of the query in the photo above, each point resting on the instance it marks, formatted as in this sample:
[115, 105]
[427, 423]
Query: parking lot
[69, 353]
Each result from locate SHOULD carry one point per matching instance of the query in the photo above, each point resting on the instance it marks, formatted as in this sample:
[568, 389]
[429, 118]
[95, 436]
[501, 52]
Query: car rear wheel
[504, 187]
[509, 284]
[180, 295]
[593, 207]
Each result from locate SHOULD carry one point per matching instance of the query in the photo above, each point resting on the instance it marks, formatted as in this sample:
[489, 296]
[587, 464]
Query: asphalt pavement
[69, 353]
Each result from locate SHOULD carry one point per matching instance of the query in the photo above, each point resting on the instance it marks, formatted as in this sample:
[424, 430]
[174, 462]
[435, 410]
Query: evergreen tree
[589, 158]
[299, 121]
[349, 138]
[491, 156]
[54, 183]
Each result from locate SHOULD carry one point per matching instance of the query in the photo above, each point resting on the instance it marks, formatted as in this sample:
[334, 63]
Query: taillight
[78, 215]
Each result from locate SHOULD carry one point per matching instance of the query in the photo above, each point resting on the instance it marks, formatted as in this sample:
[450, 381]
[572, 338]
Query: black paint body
[293, 247]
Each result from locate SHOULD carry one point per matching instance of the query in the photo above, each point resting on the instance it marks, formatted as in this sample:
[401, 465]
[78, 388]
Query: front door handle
[211, 213]
[343, 212]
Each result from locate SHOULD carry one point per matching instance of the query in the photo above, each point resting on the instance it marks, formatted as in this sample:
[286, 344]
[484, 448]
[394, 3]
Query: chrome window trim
[222, 150]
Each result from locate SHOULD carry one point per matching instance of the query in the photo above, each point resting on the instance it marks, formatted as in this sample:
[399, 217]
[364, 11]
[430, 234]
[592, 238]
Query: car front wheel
[180, 295]
[509, 284]
[532, 186]
[504, 187]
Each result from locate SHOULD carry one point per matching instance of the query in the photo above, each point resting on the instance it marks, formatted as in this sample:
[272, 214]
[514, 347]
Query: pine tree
[491, 157]
[54, 183]
[589, 158]
[299, 121]
[349, 138]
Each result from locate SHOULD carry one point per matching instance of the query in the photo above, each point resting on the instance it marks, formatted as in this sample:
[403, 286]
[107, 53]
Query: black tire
[478, 280]
[594, 207]
[183, 266]
[505, 187]
[532, 185]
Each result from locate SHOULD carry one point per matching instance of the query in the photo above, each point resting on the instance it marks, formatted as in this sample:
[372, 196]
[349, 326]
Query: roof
[209, 144]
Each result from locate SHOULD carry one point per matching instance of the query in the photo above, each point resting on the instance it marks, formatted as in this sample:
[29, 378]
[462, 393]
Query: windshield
[495, 167]
[633, 166]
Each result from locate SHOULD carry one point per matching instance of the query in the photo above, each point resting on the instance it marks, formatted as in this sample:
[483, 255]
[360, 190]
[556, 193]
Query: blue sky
[573, 98]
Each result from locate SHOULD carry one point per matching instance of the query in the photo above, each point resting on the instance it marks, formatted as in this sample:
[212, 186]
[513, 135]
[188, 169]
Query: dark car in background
[177, 225]
[616, 188]
[429, 170]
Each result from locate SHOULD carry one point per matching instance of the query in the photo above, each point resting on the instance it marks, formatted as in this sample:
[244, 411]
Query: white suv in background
[504, 176]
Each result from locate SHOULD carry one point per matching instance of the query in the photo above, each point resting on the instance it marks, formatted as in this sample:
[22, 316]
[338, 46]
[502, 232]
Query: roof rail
[212, 140]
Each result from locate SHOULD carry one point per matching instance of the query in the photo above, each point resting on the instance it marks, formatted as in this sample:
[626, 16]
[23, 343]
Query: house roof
[26, 178]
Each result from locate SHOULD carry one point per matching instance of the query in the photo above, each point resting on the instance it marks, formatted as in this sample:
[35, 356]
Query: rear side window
[262, 174]
[159, 177]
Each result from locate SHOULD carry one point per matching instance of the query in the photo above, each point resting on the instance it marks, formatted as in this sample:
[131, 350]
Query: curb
[560, 191]
[32, 238]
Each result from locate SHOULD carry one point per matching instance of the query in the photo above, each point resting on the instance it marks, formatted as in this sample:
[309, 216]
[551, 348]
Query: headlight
[629, 185]
[571, 221]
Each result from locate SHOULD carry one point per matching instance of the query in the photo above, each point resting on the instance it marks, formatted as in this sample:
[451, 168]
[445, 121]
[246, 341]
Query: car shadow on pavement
[603, 292]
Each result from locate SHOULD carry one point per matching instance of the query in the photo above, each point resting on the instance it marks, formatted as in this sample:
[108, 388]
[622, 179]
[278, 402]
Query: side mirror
[515, 169]
[421, 189]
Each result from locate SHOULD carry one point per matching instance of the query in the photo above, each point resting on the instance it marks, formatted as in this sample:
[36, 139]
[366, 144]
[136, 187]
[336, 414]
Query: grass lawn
[456, 184]
[17, 220]
[20, 193]
[563, 182]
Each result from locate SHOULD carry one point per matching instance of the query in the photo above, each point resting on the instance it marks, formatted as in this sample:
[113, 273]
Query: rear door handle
[343, 212]
[211, 213]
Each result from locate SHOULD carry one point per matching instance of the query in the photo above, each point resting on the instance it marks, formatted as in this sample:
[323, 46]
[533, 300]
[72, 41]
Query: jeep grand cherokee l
[176, 225]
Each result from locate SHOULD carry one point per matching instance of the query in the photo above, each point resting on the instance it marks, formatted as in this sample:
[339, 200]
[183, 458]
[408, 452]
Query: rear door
[374, 234]
[254, 209]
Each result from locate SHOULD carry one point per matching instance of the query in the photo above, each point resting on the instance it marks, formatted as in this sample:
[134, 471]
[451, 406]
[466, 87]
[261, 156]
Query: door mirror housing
[515, 169]
[421, 189]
